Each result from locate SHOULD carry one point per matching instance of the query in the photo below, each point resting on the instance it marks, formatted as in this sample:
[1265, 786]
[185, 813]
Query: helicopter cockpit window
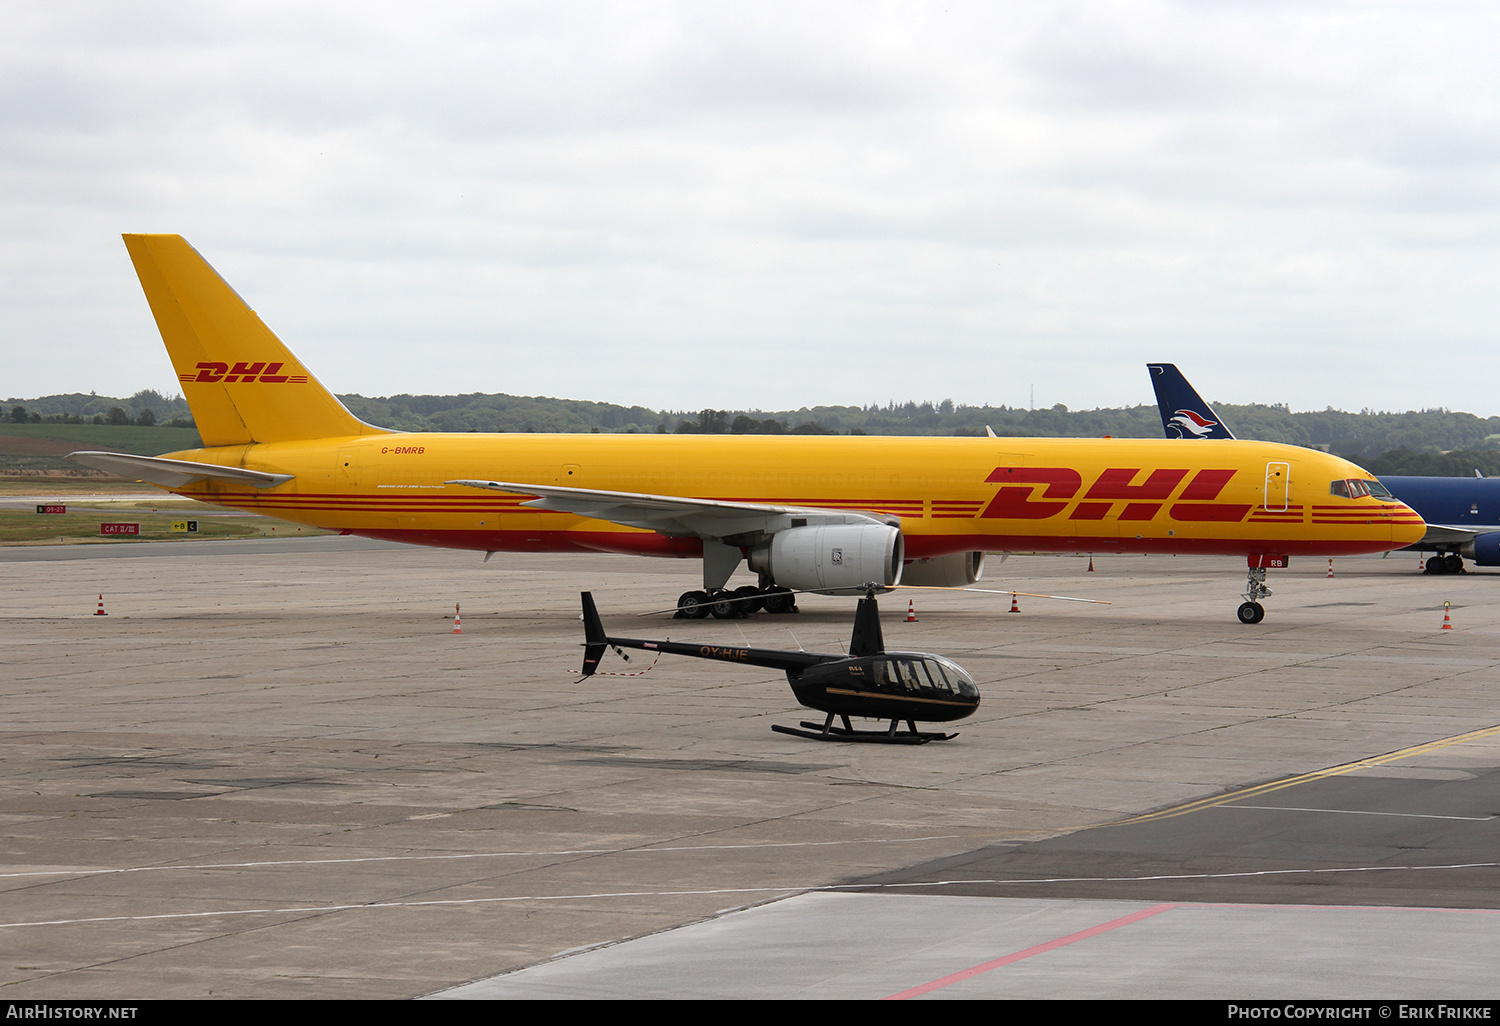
[920, 673]
[958, 677]
[935, 672]
[909, 674]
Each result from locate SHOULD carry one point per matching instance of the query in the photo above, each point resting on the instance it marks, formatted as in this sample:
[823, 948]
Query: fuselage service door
[1278, 486]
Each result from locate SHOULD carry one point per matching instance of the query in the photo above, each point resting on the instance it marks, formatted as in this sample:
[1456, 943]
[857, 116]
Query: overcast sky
[764, 205]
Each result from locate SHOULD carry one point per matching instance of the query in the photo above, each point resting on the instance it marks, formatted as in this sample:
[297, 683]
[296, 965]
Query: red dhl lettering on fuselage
[266, 373]
[1017, 498]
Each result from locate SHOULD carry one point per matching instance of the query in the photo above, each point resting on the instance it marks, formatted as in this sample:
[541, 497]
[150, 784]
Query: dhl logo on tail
[244, 372]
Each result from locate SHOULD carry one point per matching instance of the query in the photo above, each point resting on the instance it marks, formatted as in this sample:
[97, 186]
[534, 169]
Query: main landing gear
[1251, 611]
[1444, 563]
[724, 604]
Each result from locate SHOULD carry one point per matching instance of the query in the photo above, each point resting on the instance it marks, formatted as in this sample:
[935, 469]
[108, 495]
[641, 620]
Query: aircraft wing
[1437, 534]
[173, 473]
[677, 516]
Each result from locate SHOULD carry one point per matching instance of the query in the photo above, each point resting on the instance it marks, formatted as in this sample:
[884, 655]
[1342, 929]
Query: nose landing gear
[1251, 611]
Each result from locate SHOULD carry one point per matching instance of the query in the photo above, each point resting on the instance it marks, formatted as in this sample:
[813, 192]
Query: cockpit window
[918, 673]
[935, 671]
[1339, 488]
[1380, 491]
[1358, 488]
[912, 672]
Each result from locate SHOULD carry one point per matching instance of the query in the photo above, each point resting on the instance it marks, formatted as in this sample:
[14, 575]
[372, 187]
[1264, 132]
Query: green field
[38, 448]
[26, 527]
[51, 483]
[143, 441]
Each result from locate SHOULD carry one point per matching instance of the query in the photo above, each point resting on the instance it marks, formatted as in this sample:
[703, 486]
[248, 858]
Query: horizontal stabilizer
[173, 473]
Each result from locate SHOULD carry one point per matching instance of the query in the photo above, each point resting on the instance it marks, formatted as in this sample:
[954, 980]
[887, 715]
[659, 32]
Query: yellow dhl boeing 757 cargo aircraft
[805, 512]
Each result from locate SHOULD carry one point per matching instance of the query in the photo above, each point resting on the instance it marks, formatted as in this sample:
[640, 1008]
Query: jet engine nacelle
[832, 557]
[955, 570]
[1484, 550]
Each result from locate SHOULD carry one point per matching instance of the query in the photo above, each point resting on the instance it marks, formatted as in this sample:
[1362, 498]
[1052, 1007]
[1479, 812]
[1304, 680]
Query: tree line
[1434, 441]
[147, 408]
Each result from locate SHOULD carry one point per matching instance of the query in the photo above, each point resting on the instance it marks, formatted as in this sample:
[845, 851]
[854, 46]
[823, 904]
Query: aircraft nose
[1407, 526]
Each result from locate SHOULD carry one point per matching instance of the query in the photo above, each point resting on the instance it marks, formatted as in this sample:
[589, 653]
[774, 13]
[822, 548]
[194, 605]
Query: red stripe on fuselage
[917, 546]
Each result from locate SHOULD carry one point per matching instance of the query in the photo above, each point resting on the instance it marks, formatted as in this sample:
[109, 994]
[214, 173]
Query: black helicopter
[869, 681]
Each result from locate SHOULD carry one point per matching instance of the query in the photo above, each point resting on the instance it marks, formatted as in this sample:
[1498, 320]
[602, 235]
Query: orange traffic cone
[1330, 568]
[911, 610]
[1447, 624]
[458, 625]
[1013, 607]
[1091, 562]
[100, 611]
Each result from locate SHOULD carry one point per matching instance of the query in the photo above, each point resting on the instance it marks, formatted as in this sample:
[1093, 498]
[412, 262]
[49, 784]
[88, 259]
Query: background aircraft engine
[955, 570]
[836, 557]
[1484, 550]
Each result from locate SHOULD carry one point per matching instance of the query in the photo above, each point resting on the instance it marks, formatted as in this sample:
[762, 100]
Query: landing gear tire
[778, 600]
[1251, 612]
[749, 599]
[722, 606]
[1453, 563]
[692, 605]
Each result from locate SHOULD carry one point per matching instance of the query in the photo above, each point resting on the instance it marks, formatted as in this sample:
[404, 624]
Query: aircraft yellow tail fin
[241, 382]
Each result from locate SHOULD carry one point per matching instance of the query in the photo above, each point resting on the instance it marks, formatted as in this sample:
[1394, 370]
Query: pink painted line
[1051, 945]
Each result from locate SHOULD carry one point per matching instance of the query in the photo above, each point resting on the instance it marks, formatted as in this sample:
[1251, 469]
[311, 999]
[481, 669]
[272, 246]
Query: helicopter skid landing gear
[890, 736]
[1251, 611]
